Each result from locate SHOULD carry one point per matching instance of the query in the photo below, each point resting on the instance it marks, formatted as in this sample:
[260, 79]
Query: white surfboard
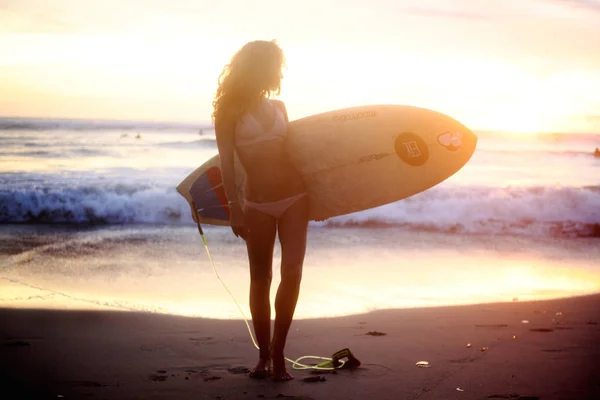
[353, 159]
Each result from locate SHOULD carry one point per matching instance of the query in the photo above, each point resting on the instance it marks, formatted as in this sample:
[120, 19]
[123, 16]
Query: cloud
[32, 17]
[454, 14]
[48, 21]
[593, 5]
[593, 118]
[85, 16]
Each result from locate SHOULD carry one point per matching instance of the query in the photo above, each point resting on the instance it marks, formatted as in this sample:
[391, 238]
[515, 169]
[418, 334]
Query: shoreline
[166, 270]
[109, 308]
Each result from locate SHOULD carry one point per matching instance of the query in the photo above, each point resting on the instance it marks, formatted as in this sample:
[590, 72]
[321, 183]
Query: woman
[254, 126]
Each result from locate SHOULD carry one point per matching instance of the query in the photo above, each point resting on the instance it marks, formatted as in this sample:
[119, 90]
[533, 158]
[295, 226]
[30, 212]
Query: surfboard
[352, 159]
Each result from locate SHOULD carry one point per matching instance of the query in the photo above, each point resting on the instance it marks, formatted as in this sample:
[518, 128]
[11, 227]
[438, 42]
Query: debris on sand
[375, 333]
[492, 326]
[311, 379]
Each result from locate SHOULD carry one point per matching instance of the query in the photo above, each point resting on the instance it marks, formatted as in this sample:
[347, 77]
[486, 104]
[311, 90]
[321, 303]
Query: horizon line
[204, 125]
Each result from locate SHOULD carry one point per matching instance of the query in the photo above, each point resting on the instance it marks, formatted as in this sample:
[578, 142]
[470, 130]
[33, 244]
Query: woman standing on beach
[248, 122]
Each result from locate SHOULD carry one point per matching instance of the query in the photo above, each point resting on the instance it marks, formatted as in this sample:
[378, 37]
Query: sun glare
[167, 65]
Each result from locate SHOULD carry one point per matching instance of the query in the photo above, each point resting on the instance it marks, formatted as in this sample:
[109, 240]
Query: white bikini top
[250, 131]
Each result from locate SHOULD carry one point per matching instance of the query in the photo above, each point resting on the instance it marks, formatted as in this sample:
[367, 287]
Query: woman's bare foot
[262, 369]
[280, 373]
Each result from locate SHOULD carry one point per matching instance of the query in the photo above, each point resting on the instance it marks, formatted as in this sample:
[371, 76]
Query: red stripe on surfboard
[214, 176]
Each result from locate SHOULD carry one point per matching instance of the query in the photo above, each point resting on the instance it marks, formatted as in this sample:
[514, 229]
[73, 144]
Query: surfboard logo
[411, 149]
[353, 116]
[373, 157]
[450, 140]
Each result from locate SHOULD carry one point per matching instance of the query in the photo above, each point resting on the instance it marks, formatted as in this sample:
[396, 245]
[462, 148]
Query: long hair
[252, 74]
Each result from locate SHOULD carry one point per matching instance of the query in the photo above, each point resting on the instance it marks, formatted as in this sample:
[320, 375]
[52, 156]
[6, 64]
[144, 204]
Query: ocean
[89, 217]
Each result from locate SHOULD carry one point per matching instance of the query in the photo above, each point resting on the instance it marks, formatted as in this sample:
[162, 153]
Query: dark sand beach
[482, 351]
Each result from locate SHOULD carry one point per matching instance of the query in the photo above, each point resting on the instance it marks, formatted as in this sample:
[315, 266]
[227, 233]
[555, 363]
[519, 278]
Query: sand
[129, 345]
[482, 351]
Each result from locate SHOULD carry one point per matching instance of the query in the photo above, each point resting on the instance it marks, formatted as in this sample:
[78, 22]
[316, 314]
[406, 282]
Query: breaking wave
[531, 211]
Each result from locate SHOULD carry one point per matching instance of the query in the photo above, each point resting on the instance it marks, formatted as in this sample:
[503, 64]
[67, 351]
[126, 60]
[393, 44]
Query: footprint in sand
[157, 377]
[462, 360]
[541, 330]
[150, 347]
[205, 374]
[86, 383]
[161, 375]
[238, 370]
[202, 340]
[18, 343]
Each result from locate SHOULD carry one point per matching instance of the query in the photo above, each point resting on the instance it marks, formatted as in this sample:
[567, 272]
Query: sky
[516, 65]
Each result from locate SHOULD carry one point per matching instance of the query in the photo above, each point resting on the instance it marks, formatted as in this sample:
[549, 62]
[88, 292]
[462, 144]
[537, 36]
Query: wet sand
[350, 270]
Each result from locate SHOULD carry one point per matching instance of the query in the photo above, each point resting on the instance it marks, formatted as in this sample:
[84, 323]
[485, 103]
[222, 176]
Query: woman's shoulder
[280, 105]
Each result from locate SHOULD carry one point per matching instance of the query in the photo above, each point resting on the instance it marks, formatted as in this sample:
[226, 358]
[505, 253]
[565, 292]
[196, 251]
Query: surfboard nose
[469, 139]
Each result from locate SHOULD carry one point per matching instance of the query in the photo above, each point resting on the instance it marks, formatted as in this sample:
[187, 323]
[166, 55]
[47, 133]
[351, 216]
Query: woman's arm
[224, 131]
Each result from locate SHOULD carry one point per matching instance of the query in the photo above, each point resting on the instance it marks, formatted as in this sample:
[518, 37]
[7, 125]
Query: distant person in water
[253, 125]
[597, 152]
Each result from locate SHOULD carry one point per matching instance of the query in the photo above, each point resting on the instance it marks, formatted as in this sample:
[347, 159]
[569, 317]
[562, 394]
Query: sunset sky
[519, 65]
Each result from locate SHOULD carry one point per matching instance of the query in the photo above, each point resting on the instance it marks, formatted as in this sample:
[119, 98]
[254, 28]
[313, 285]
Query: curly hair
[254, 72]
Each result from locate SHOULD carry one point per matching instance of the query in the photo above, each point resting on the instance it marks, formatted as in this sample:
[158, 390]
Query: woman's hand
[237, 220]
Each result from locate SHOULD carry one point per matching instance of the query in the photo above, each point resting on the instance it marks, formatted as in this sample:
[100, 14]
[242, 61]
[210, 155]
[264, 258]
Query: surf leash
[329, 364]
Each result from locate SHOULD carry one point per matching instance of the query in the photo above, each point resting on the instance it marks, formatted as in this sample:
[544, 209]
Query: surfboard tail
[206, 195]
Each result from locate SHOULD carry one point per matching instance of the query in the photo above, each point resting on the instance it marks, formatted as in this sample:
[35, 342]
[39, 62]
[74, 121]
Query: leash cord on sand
[295, 363]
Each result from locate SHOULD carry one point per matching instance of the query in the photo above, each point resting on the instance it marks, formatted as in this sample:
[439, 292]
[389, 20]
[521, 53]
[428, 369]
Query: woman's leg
[293, 227]
[260, 240]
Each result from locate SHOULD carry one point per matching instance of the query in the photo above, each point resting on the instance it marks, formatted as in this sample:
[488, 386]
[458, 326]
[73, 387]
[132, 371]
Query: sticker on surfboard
[450, 140]
[411, 149]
